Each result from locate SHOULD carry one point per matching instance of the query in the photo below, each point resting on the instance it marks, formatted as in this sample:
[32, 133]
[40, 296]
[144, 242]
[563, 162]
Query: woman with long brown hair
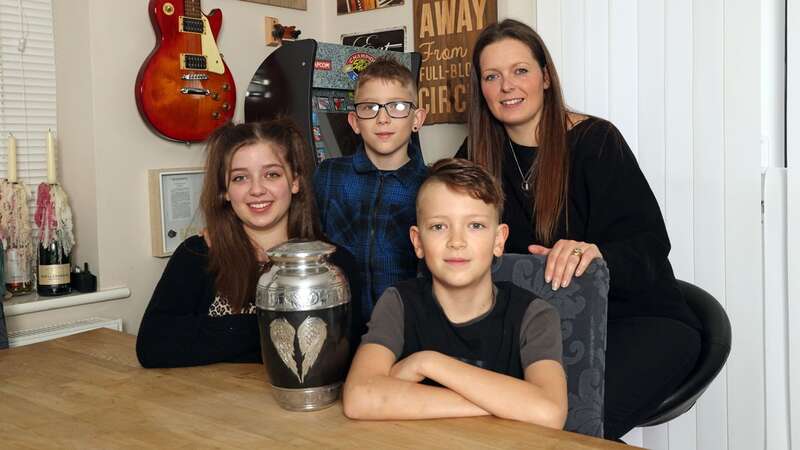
[574, 192]
[257, 193]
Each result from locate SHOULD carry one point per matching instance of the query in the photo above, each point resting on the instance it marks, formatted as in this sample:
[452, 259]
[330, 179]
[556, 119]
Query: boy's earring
[414, 129]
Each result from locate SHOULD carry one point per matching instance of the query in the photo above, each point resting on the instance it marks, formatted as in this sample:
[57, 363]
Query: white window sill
[32, 303]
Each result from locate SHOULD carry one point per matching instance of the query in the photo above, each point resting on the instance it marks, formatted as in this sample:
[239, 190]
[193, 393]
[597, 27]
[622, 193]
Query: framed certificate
[174, 207]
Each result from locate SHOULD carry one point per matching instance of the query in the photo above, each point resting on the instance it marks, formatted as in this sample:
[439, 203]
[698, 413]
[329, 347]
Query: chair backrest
[714, 350]
[583, 308]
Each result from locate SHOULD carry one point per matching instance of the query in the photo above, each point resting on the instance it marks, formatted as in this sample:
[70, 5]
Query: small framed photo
[174, 207]
[352, 6]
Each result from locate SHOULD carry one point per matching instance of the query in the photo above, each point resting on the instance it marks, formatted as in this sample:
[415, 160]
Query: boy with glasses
[366, 200]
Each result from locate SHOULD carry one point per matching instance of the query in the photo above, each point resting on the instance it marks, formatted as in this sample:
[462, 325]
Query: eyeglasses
[395, 110]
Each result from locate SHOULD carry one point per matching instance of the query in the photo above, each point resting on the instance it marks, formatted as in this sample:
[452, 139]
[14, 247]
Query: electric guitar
[184, 89]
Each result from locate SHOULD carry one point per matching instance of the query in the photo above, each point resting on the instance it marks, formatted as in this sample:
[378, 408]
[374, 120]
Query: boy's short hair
[387, 68]
[465, 176]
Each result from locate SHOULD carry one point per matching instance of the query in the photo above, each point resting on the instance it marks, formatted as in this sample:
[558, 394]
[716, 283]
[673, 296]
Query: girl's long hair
[487, 135]
[232, 256]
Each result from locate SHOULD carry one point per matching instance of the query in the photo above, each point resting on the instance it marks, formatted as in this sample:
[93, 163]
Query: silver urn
[304, 317]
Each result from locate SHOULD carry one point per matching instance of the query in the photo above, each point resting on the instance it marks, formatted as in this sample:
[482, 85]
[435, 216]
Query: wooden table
[88, 391]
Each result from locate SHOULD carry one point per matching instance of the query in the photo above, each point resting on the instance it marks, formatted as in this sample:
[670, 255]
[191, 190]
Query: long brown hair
[232, 257]
[487, 135]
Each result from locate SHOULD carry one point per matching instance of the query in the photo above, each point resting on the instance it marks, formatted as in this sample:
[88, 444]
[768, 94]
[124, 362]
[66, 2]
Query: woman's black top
[610, 205]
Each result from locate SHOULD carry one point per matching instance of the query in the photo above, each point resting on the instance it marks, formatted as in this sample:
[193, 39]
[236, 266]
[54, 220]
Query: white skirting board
[19, 338]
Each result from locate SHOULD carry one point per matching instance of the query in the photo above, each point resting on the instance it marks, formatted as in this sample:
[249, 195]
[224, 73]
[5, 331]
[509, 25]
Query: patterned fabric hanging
[15, 227]
[54, 217]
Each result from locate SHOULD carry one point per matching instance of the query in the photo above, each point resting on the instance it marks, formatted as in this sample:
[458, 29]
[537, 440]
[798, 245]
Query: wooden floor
[88, 391]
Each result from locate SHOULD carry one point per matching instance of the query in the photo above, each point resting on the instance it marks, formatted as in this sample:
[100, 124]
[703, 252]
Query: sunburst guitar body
[184, 89]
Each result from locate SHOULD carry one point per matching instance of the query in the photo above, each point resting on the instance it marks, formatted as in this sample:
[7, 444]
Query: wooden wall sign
[294, 4]
[444, 34]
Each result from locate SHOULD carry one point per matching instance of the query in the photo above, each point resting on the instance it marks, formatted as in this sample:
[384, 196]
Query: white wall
[681, 80]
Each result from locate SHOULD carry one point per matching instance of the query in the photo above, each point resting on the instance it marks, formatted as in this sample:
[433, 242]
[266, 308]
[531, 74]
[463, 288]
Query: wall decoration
[294, 4]
[351, 6]
[174, 207]
[184, 90]
[393, 39]
[444, 34]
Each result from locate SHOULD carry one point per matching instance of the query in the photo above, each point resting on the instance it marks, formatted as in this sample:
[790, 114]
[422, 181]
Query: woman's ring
[577, 252]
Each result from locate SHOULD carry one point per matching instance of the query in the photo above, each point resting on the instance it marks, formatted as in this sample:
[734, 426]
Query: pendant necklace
[526, 186]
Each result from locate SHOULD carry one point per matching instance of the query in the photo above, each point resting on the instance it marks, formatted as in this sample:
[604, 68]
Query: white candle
[51, 158]
[12, 158]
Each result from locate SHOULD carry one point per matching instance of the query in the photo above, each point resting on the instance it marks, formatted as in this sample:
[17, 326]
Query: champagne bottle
[18, 277]
[54, 267]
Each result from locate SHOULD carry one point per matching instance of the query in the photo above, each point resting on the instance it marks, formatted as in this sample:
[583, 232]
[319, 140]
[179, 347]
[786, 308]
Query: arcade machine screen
[312, 82]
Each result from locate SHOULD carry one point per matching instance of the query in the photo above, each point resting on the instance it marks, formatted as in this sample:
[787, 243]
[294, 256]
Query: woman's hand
[410, 368]
[565, 259]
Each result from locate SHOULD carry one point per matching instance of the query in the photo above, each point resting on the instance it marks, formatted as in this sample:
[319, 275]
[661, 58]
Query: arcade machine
[312, 83]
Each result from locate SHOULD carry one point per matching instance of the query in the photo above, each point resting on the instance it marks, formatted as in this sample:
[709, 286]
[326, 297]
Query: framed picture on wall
[352, 6]
[174, 207]
[393, 39]
[294, 4]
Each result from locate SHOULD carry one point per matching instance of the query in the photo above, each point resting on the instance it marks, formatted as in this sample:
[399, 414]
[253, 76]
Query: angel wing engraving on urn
[282, 335]
[311, 335]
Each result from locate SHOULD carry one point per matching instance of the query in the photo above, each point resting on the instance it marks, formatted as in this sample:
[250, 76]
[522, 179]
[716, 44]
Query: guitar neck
[191, 8]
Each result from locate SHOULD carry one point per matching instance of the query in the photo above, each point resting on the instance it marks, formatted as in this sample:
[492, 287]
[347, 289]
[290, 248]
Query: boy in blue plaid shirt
[366, 200]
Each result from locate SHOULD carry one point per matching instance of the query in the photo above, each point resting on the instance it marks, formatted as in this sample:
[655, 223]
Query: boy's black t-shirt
[537, 328]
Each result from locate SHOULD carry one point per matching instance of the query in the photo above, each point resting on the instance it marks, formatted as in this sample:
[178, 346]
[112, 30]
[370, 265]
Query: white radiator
[19, 338]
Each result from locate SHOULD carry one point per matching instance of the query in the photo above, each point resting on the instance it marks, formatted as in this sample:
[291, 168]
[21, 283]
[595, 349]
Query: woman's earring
[414, 129]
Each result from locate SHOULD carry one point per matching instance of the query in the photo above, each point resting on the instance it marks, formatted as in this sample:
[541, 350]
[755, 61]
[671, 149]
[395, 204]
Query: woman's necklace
[526, 185]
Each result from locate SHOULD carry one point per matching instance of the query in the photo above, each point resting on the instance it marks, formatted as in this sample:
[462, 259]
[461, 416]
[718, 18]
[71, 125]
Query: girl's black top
[177, 329]
[611, 205]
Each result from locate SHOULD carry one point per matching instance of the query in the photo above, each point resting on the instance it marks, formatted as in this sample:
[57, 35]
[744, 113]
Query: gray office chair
[583, 308]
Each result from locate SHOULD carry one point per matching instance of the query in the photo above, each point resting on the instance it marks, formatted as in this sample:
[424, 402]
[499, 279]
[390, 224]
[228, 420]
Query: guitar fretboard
[191, 8]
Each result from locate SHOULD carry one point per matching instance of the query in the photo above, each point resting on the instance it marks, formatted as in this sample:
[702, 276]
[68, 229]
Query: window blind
[27, 88]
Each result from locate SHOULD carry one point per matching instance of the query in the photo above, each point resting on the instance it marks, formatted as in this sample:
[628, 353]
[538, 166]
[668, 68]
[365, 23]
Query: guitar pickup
[194, 77]
[191, 25]
[195, 91]
[193, 62]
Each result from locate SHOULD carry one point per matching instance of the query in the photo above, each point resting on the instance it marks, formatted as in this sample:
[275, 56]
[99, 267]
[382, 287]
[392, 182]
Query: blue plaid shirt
[368, 212]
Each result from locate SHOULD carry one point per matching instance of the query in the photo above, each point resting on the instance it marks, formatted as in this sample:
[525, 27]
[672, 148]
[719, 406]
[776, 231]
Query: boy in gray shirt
[455, 344]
